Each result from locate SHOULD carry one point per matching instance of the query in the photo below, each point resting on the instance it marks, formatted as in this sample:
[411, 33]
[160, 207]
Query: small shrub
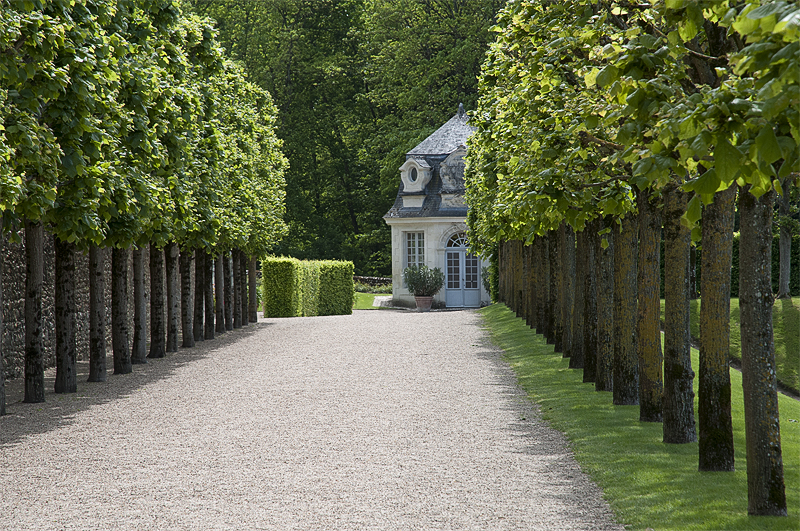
[423, 281]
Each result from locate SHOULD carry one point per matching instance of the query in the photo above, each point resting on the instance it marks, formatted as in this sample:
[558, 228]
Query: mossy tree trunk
[219, 294]
[715, 428]
[139, 349]
[34, 356]
[2, 359]
[533, 291]
[120, 346]
[626, 359]
[66, 339]
[97, 315]
[648, 316]
[237, 290]
[208, 295]
[157, 328]
[187, 308]
[199, 297]
[567, 236]
[530, 293]
[171, 263]
[227, 271]
[590, 303]
[526, 285]
[766, 493]
[604, 380]
[243, 286]
[679, 426]
[556, 286]
[544, 288]
[576, 349]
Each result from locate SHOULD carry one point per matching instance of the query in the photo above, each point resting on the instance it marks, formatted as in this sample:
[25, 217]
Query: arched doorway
[462, 282]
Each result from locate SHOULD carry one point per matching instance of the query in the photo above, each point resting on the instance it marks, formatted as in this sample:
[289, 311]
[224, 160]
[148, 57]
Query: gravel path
[379, 420]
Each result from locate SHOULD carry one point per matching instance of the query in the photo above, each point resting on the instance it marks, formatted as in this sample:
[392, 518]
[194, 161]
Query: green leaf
[607, 76]
[708, 183]
[726, 159]
[767, 145]
[693, 213]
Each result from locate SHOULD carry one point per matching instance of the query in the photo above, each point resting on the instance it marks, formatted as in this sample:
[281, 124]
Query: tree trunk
[544, 289]
[237, 290]
[243, 265]
[604, 379]
[576, 348]
[556, 287]
[119, 311]
[97, 315]
[715, 428]
[533, 286]
[187, 332]
[208, 293]
[766, 493]
[253, 298]
[525, 264]
[171, 262]
[567, 236]
[227, 271]
[219, 293]
[678, 374]
[648, 317]
[692, 272]
[2, 360]
[157, 332]
[139, 350]
[34, 356]
[199, 293]
[784, 245]
[66, 340]
[590, 303]
[502, 259]
[626, 359]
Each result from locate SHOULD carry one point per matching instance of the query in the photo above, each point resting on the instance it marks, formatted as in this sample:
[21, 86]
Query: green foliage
[281, 284]
[366, 288]
[335, 287]
[648, 484]
[295, 288]
[358, 83]
[581, 102]
[423, 281]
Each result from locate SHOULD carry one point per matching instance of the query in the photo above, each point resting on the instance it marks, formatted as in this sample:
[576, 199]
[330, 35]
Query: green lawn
[786, 331]
[649, 484]
[363, 301]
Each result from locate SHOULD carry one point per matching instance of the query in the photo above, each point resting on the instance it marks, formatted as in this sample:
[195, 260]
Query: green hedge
[295, 288]
[794, 276]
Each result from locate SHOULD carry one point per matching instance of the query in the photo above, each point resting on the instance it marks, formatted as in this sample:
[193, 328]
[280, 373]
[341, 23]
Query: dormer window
[415, 174]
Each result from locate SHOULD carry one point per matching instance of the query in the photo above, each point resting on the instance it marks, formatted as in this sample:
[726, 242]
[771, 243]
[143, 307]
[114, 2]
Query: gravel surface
[377, 420]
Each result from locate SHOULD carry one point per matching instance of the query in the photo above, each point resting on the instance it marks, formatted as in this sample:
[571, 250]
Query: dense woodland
[357, 83]
[602, 126]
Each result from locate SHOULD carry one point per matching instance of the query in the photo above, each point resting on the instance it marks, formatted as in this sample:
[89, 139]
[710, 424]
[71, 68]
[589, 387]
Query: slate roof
[447, 138]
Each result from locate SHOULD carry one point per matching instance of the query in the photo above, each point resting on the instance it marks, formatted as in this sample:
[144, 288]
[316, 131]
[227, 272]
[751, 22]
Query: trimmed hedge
[302, 288]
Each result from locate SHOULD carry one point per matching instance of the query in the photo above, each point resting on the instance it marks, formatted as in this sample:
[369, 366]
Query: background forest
[357, 84]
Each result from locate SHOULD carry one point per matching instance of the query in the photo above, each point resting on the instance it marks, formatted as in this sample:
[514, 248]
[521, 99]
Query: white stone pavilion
[428, 218]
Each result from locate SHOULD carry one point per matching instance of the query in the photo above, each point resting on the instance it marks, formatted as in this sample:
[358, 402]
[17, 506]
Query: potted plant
[424, 283]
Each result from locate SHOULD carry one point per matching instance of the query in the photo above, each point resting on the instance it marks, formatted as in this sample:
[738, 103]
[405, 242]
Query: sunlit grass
[786, 332]
[648, 484]
[363, 301]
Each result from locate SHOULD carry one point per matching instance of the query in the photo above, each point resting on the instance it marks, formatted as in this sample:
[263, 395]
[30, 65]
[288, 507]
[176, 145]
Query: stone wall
[13, 285]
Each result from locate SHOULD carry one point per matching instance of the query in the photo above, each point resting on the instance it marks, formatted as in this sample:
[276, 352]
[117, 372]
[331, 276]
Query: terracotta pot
[423, 303]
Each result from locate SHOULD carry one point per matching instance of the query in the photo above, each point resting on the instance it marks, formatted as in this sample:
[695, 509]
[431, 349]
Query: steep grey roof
[431, 208]
[447, 138]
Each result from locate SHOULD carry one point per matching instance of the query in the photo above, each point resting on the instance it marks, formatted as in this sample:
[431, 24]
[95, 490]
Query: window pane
[471, 272]
[453, 273]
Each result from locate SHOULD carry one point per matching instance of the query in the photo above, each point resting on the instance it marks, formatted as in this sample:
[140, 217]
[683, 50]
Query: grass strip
[363, 301]
[649, 484]
[786, 332]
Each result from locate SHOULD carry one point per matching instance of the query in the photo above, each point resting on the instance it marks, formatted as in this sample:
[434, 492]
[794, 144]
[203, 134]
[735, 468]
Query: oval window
[413, 176]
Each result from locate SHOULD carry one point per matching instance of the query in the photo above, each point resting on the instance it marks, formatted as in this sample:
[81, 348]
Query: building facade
[428, 218]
